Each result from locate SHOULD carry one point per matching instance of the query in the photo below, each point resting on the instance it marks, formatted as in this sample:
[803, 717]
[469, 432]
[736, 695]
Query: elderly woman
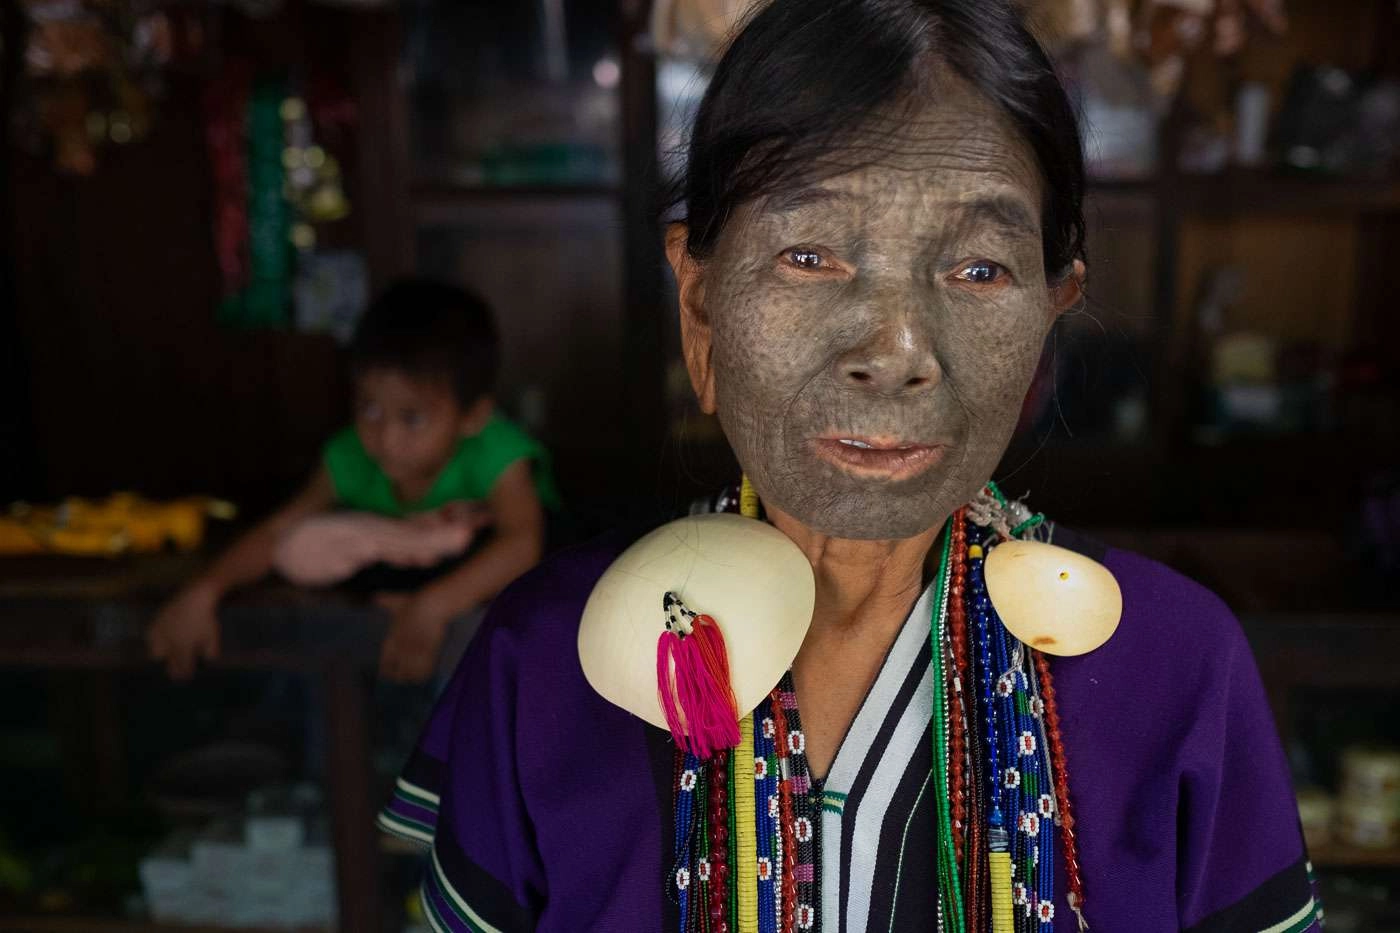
[883, 221]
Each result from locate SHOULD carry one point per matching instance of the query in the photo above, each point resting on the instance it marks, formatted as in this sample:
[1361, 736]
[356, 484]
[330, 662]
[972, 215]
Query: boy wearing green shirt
[427, 462]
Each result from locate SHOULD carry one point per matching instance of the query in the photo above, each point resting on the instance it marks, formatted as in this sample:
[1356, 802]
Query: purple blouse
[545, 807]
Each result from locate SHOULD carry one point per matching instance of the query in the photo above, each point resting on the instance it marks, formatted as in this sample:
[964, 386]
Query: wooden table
[90, 615]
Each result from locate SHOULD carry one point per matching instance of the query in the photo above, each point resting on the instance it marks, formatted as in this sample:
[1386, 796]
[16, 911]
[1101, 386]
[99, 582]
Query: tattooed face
[867, 339]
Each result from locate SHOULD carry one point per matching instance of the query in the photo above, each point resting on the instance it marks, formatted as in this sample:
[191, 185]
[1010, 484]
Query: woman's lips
[879, 457]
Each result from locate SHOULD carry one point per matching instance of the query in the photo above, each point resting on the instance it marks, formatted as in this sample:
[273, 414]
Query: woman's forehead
[951, 191]
[951, 148]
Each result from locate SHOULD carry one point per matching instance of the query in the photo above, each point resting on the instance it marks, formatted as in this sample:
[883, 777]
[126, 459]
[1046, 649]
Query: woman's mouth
[881, 458]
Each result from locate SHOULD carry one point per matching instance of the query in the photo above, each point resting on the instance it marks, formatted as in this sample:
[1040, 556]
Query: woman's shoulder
[531, 629]
[1175, 671]
[1178, 647]
[1161, 605]
[548, 600]
[1167, 729]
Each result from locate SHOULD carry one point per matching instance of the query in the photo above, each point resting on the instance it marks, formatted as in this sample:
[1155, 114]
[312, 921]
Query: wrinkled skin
[902, 303]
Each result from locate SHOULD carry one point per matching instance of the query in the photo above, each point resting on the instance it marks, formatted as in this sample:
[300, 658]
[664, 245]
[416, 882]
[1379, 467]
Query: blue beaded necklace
[1007, 756]
[1022, 800]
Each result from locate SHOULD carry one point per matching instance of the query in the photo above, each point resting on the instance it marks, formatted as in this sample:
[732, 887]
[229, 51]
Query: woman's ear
[1069, 291]
[696, 335]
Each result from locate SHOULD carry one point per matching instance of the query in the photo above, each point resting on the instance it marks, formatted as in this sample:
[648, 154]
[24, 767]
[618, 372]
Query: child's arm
[328, 548]
[187, 627]
[420, 620]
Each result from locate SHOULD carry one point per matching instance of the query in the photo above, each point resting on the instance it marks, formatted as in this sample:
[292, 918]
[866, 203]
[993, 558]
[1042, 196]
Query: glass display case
[513, 94]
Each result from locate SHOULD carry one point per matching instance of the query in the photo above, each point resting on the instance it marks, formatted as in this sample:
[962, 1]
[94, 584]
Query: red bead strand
[957, 630]
[975, 875]
[718, 816]
[1062, 801]
[787, 922]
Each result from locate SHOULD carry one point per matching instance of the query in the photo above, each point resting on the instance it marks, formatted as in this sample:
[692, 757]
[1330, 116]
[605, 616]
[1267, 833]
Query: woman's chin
[863, 510]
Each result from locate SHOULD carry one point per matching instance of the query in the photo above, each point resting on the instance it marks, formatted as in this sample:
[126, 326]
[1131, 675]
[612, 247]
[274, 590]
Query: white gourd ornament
[740, 575]
[1053, 599]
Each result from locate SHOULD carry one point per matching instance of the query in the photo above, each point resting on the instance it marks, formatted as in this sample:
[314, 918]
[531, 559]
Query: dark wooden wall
[119, 376]
[131, 382]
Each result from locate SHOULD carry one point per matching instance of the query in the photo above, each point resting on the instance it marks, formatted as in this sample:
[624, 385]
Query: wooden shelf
[61, 923]
[1260, 192]
[1343, 856]
[437, 204]
[1122, 185]
[1241, 191]
[437, 192]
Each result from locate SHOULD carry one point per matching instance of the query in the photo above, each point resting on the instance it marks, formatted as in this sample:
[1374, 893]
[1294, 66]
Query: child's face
[410, 426]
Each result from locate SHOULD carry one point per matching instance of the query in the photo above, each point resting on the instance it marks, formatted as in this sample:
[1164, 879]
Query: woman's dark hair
[803, 80]
[430, 330]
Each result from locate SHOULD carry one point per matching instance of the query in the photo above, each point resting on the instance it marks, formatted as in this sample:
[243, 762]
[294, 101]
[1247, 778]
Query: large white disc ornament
[1055, 600]
[746, 575]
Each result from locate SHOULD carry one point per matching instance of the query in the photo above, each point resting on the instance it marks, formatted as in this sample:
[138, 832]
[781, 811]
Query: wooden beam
[383, 175]
[644, 337]
[18, 470]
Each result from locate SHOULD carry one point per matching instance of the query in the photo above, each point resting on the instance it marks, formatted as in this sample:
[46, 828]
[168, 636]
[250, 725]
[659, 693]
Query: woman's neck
[865, 590]
[860, 583]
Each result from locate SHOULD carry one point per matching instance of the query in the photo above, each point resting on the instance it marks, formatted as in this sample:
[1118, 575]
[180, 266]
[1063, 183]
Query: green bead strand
[950, 886]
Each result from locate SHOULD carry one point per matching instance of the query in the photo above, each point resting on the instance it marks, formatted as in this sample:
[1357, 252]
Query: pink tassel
[692, 679]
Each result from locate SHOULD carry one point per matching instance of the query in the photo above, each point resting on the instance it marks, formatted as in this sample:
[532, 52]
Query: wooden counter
[90, 615]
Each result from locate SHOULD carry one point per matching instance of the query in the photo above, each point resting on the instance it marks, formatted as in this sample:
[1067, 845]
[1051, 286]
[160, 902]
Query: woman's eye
[804, 258]
[981, 272]
[370, 411]
[413, 419]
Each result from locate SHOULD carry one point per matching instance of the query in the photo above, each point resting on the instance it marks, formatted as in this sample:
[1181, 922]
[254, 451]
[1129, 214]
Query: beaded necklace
[746, 847]
[950, 902]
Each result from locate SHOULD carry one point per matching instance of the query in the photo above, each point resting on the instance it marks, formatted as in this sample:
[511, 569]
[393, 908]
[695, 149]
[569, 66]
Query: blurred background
[200, 197]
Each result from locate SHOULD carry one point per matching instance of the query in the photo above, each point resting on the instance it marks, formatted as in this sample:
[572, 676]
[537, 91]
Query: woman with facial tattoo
[888, 698]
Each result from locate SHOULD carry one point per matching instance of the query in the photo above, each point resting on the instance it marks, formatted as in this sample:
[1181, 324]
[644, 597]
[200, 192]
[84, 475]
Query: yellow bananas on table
[123, 523]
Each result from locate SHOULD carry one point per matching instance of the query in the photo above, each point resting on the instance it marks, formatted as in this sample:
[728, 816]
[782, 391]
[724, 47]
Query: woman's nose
[898, 360]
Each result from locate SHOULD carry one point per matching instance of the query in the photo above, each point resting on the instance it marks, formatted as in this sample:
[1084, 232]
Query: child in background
[428, 462]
